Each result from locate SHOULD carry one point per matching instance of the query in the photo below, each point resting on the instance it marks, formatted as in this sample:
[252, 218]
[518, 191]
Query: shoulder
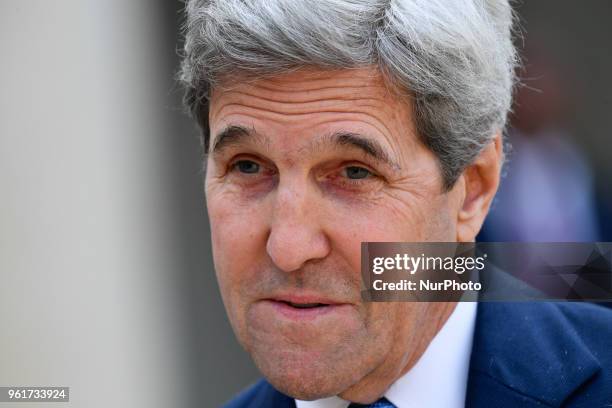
[550, 352]
[545, 332]
[586, 323]
[261, 394]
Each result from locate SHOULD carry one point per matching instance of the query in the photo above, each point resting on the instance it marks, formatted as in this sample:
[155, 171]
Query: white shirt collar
[443, 366]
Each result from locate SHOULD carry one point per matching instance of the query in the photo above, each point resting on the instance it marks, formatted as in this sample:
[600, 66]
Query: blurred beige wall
[87, 298]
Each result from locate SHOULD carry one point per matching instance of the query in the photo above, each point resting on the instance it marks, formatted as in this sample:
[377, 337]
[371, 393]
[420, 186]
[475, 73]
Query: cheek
[347, 227]
[237, 227]
[237, 245]
[391, 220]
[420, 218]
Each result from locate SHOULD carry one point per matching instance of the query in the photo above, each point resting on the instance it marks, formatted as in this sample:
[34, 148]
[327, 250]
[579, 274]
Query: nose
[296, 234]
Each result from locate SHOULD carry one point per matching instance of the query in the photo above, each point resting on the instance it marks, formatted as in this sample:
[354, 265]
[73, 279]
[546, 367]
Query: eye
[247, 166]
[356, 172]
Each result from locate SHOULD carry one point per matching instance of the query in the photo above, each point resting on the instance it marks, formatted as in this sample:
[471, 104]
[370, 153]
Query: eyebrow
[232, 135]
[368, 146]
[235, 135]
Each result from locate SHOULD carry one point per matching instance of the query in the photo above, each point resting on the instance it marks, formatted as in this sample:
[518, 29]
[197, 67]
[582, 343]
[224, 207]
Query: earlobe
[480, 183]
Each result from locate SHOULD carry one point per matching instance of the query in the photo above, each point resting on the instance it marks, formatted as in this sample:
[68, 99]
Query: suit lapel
[525, 354]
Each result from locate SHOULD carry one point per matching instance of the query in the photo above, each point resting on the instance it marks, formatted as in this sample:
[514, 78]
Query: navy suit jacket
[523, 355]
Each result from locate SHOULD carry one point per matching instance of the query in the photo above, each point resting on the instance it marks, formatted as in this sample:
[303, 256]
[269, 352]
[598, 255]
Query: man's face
[302, 169]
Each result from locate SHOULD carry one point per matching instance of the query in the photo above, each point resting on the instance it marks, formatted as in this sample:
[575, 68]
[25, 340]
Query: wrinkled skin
[289, 206]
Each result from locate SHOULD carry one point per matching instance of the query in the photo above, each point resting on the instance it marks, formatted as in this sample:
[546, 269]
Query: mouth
[304, 305]
[303, 308]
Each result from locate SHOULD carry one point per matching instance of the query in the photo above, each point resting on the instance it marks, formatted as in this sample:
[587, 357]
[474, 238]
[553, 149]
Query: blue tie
[381, 403]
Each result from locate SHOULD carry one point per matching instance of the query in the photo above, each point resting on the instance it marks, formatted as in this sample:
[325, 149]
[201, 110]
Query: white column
[86, 295]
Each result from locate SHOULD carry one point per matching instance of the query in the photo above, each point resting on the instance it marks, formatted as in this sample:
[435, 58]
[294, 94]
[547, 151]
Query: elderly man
[332, 122]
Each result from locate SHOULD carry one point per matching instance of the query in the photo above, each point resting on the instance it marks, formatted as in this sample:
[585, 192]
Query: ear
[479, 183]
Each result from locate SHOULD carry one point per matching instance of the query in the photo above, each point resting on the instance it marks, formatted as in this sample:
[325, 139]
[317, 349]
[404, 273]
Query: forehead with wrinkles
[314, 103]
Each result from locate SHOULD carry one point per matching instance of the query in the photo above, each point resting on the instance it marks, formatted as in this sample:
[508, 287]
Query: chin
[305, 376]
[307, 386]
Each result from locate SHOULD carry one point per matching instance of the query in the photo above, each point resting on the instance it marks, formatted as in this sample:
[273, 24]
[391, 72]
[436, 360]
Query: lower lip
[295, 313]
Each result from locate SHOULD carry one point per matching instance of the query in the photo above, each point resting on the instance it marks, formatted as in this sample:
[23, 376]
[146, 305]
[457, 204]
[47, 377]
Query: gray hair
[454, 58]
